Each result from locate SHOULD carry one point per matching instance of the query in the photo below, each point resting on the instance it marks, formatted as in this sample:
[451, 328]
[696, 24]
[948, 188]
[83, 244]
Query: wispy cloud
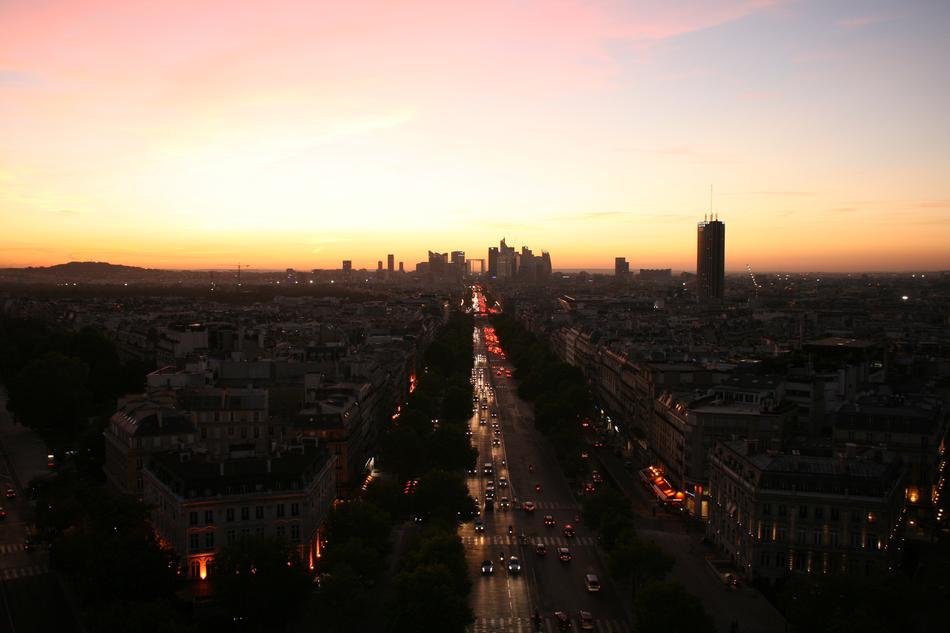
[605, 215]
[775, 193]
[861, 21]
[10, 77]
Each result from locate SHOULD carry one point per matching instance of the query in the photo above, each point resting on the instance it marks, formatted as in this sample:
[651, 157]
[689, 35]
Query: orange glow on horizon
[288, 134]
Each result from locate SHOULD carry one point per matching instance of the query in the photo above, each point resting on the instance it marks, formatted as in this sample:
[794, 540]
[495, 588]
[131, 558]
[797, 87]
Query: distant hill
[81, 272]
[93, 268]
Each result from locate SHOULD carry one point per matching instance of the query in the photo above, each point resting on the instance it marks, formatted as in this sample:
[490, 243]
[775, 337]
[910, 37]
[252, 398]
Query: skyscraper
[710, 259]
[492, 261]
[391, 262]
[621, 267]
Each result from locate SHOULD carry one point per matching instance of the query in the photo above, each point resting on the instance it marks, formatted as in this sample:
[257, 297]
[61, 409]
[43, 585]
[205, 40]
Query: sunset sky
[203, 133]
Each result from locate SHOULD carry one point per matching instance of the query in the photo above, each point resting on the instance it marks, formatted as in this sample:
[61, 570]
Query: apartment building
[199, 506]
[778, 513]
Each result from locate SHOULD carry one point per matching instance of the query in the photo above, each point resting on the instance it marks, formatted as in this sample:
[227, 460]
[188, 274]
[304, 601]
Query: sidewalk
[744, 605]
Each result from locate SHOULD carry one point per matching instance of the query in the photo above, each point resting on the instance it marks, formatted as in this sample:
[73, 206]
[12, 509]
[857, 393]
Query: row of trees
[430, 432]
[557, 390]
[643, 566]
[895, 602]
[102, 542]
[561, 402]
[57, 379]
[424, 453]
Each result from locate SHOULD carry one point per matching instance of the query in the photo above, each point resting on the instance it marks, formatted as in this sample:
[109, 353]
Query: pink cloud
[226, 44]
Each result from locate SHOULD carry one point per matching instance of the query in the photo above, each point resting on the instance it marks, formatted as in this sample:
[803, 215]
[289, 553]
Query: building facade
[774, 514]
[199, 506]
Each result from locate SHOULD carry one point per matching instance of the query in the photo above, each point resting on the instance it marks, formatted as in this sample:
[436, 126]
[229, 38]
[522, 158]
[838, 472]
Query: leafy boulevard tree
[56, 380]
[430, 591]
[443, 496]
[52, 394]
[666, 606]
[101, 541]
[423, 600]
[261, 579]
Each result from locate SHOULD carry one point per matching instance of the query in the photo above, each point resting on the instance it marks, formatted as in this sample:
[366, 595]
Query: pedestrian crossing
[548, 625]
[550, 541]
[11, 548]
[556, 505]
[13, 573]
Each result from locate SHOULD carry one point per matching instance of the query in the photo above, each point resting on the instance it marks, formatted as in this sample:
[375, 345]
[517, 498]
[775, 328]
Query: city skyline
[298, 135]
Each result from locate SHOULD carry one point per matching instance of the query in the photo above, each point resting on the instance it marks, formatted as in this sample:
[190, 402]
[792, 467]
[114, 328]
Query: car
[508, 373]
[28, 544]
[490, 494]
[549, 520]
[494, 414]
[540, 549]
[592, 582]
[497, 432]
[563, 620]
[585, 455]
[482, 421]
[586, 619]
[468, 432]
[502, 482]
[490, 485]
[504, 503]
[489, 505]
[596, 477]
[564, 554]
[495, 441]
[11, 493]
[514, 565]
[3, 513]
[488, 568]
[528, 506]
[568, 530]
[495, 427]
[488, 468]
[599, 443]
[589, 488]
[479, 525]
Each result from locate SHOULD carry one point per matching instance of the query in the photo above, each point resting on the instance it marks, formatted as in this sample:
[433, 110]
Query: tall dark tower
[710, 259]
[390, 262]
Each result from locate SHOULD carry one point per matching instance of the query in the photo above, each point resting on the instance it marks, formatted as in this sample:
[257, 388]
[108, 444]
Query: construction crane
[239, 267]
[755, 284]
